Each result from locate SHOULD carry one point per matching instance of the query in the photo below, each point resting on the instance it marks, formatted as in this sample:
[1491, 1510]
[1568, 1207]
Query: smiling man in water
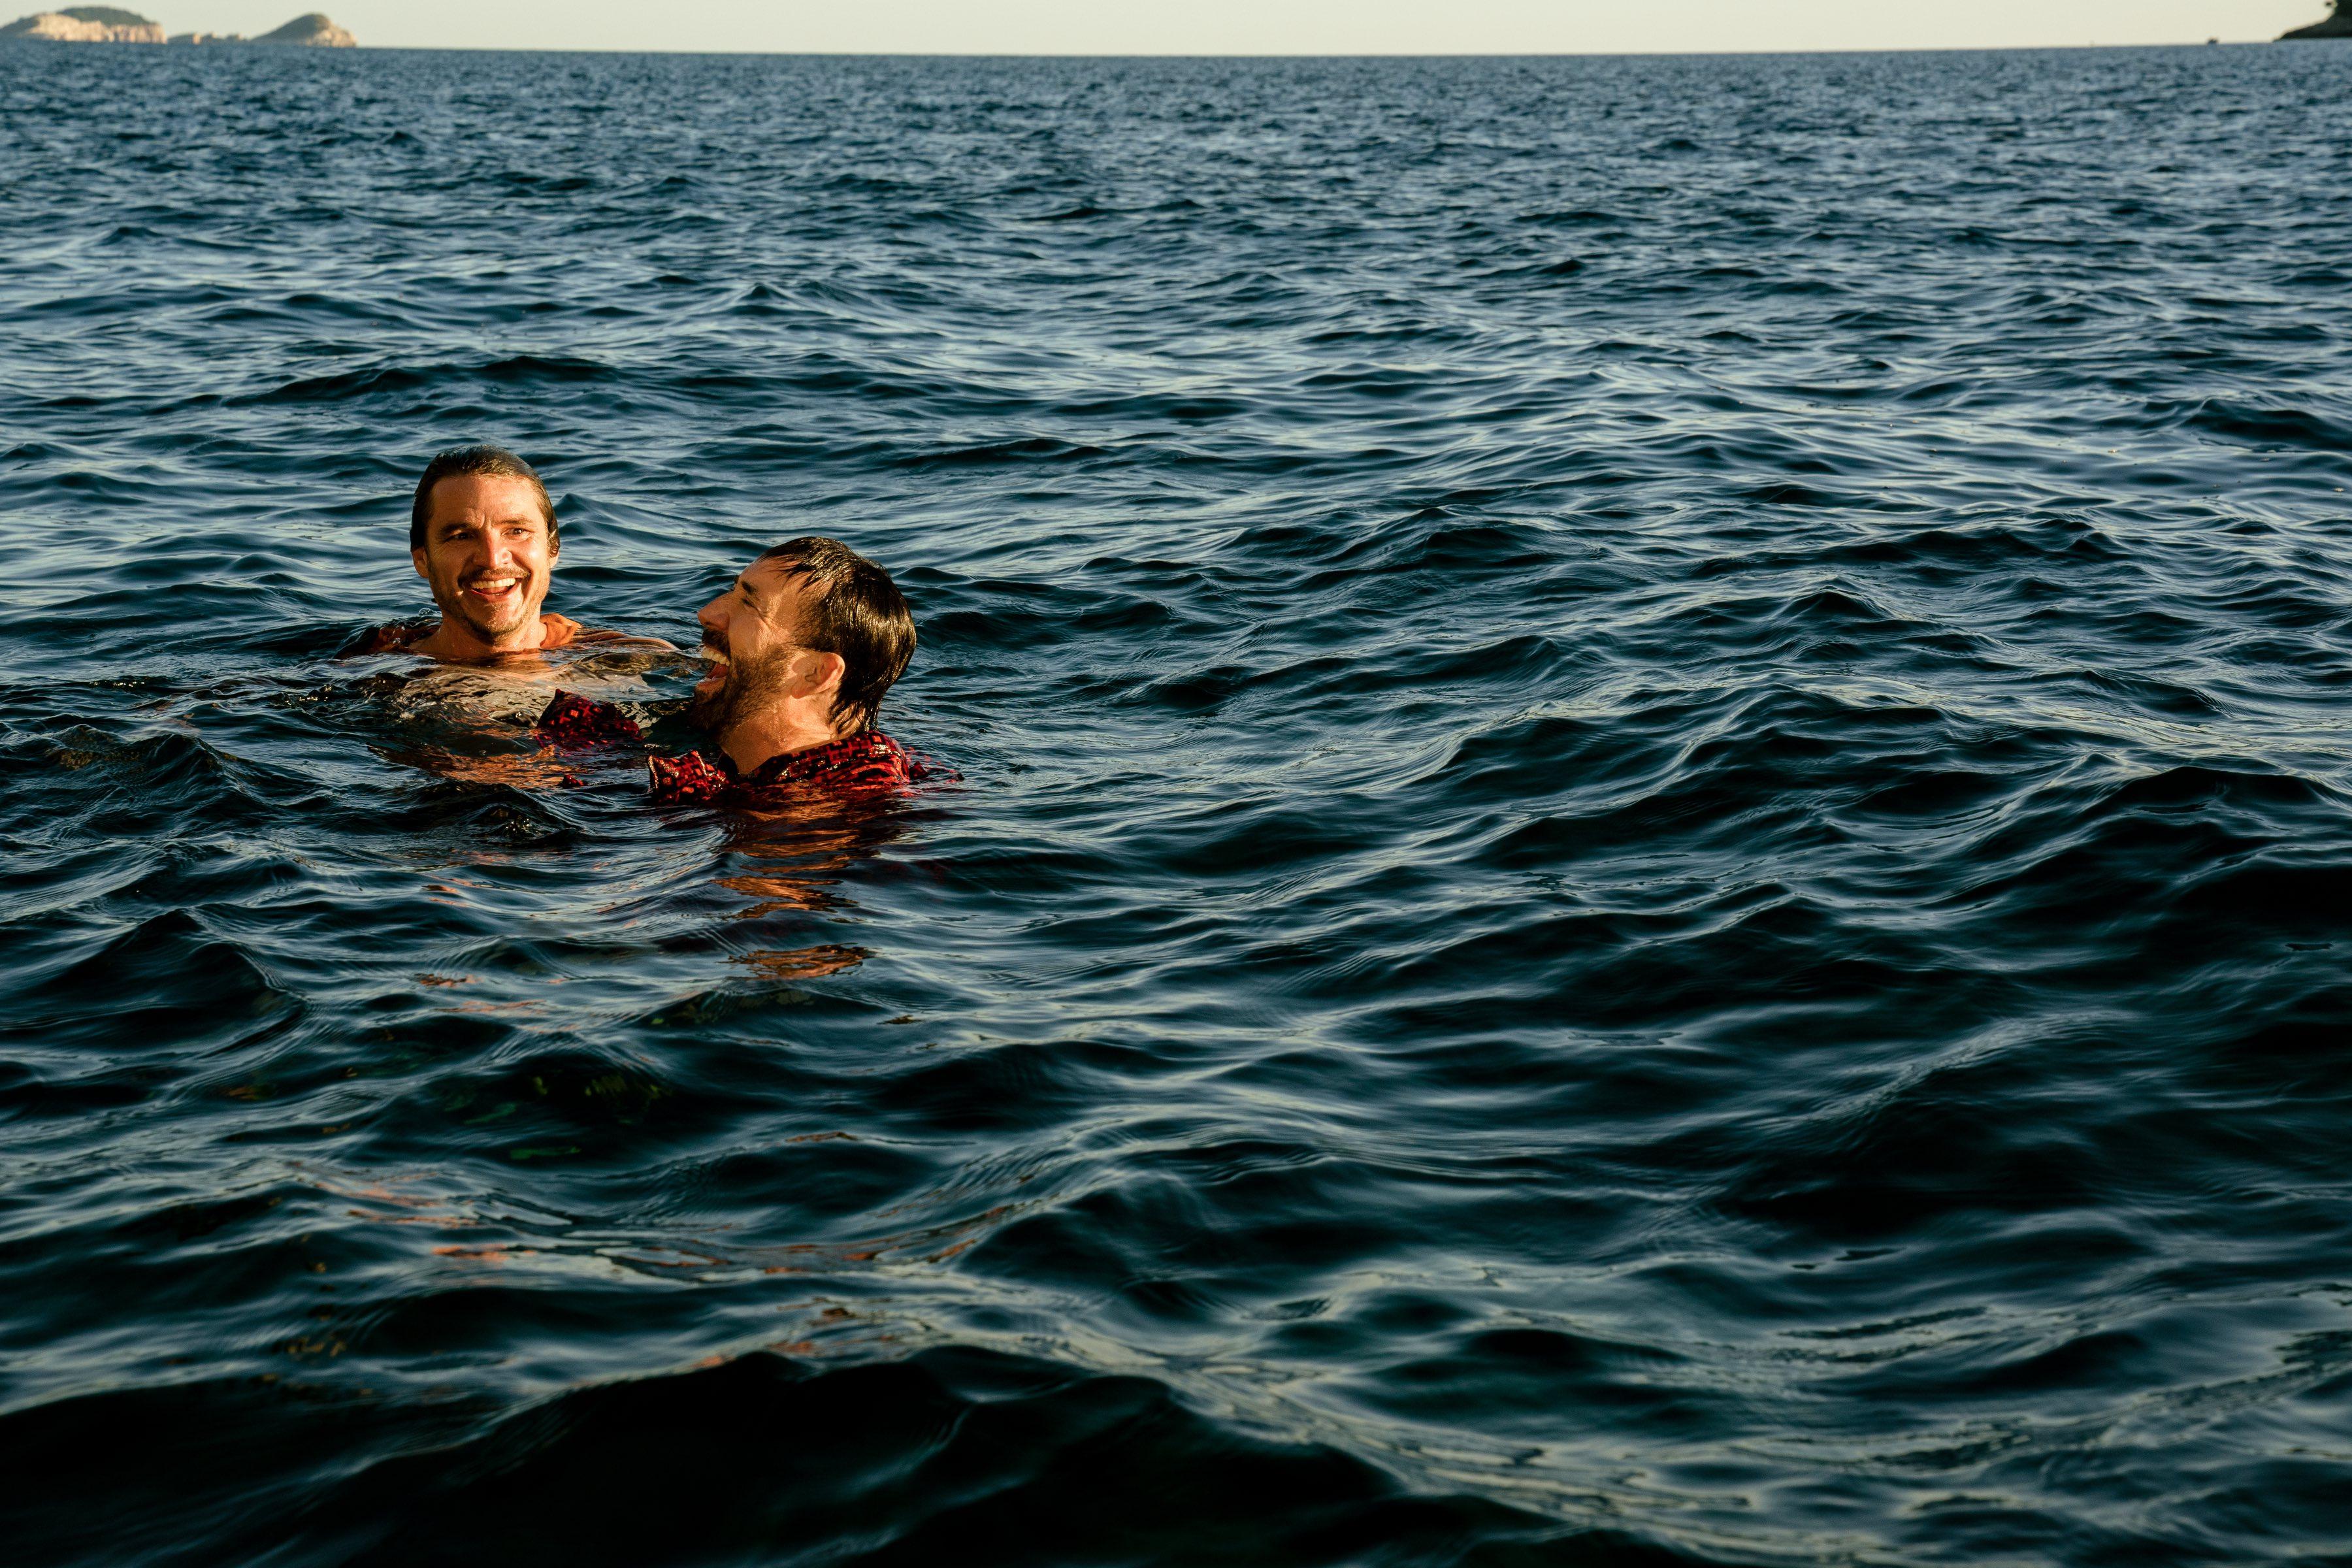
[802, 646]
[483, 535]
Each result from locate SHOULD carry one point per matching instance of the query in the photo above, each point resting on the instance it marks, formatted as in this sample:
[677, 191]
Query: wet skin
[766, 694]
[487, 556]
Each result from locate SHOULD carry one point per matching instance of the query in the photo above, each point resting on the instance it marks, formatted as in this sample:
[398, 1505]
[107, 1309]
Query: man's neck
[454, 639]
[753, 744]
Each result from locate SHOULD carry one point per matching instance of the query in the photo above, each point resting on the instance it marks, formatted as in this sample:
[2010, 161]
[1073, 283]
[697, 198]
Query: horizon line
[1246, 55]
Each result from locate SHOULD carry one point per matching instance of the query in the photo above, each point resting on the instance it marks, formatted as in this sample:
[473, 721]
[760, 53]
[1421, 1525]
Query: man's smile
[717, 678]
[494, 590]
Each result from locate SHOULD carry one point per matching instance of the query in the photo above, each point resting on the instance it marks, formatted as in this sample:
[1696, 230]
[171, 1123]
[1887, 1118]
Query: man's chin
[499, 628]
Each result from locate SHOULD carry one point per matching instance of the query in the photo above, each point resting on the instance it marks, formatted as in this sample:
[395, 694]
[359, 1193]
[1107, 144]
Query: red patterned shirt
[867, 760]
[572, 720]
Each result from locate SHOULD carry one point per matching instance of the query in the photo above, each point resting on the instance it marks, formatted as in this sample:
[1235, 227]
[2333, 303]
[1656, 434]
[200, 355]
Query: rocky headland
[2337, 25]
[106, 24]
[86, 25]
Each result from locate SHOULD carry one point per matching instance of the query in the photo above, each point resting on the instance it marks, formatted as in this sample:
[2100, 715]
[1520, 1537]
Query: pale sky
[1257, 26]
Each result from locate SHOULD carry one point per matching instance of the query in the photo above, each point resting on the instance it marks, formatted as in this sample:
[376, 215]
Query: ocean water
[1653, 864]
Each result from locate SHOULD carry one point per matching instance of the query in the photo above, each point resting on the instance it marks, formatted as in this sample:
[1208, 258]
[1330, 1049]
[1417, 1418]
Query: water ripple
[1652, 804]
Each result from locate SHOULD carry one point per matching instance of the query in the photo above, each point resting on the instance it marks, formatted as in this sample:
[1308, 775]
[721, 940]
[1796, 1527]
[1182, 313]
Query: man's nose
[707, 618]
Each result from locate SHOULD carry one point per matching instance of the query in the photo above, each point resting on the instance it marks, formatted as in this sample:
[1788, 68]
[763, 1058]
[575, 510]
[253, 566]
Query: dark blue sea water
[1654, 863]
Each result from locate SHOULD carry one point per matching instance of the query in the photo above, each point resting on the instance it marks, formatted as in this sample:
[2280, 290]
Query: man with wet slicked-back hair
[802, 646]
[483, 534]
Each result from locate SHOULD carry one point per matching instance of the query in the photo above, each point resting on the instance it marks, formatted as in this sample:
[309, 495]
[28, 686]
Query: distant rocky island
[107, 24]
[86, 25]
[2337, 25]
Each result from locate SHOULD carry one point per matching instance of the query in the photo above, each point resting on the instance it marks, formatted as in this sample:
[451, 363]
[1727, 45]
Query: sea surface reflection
[1650, 867]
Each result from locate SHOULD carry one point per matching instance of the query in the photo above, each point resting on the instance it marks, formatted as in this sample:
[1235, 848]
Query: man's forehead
[459, 496]
[779, 590]
[774, 578]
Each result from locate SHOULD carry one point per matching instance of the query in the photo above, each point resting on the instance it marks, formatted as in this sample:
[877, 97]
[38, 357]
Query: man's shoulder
[563, 631]
[867, 761]
[397, 637]
[868, 757]
[556, 632]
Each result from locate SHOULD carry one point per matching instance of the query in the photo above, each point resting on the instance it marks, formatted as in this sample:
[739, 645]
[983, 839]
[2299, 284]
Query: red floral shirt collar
[867, 760]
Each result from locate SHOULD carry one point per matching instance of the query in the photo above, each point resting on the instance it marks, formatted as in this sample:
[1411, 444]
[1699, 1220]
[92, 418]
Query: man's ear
[824, 675]
[419, 557]
[554, 546]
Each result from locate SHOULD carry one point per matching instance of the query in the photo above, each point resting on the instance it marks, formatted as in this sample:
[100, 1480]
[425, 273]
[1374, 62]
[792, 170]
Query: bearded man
[482, 533]
[803, 648]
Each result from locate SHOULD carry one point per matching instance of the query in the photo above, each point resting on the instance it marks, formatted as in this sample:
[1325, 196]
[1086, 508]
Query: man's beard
[746, 692]
[455, 607]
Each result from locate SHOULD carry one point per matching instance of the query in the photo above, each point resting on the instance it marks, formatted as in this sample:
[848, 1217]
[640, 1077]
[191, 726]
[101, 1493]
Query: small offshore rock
[313, 30]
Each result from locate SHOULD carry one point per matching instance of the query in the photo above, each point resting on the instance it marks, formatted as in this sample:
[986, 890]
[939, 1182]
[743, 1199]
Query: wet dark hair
[486, 462]
[859, 615]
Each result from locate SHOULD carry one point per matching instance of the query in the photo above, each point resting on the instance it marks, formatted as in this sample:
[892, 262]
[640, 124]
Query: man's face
[747, 633]
[487, 553]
